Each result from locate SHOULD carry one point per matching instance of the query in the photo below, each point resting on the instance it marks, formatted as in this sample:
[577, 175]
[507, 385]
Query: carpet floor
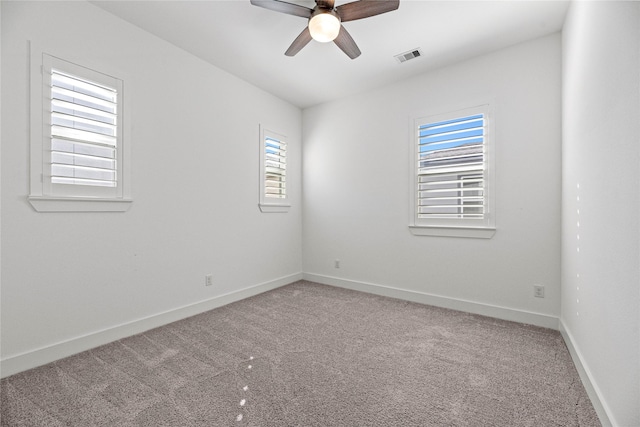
[312, 355]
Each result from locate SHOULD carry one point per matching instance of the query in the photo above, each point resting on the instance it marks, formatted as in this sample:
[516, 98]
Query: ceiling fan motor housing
[324, 24]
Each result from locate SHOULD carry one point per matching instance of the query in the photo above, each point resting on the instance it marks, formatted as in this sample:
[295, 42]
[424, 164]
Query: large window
[451, 174]
[78, 159]
[273, 172]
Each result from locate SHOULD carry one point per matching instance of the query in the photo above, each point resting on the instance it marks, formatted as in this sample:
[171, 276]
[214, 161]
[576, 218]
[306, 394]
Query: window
[273, 172]
[78, 159]
[451, 174]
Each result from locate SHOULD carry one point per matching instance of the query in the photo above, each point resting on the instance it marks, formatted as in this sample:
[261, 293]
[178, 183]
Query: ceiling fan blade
[325, 4]
[284, 7]
[345, 42]
[300, 42]
[365, 8]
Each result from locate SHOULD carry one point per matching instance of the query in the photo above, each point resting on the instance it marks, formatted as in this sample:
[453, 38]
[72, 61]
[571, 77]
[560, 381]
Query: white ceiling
[250, 41]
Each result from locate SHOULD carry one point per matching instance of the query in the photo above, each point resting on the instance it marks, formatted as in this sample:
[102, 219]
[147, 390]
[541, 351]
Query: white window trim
[266, 204]
[454, 227]
[39, 198]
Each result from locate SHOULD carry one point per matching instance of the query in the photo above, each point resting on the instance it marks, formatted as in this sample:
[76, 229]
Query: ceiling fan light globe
[324, 27]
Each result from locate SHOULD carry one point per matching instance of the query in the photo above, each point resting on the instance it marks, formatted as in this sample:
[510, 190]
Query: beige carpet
[312, 355]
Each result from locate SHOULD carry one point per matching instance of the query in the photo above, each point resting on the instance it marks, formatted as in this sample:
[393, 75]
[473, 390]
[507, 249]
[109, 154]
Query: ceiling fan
[325, 21]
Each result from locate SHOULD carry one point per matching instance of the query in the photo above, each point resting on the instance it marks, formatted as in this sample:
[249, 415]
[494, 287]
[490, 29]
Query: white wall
[356, 188]
[194, 139]
[601, 155]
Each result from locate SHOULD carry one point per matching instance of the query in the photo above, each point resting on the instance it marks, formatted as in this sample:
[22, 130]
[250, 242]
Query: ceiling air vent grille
[406, 56]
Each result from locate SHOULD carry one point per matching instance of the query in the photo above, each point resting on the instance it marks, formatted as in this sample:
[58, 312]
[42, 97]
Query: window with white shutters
[273, 172]
[80, 156]
[84, 132]
[451, 166]
[275, 168]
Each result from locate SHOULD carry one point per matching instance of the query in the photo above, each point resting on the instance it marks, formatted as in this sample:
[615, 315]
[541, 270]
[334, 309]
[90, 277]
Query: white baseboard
[603, 411]
[31, 359]
[504, 313]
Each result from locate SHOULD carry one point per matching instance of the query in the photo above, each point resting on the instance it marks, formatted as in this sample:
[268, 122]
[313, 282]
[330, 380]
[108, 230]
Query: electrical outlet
[208, 280]
[538, 291]
[336, 263]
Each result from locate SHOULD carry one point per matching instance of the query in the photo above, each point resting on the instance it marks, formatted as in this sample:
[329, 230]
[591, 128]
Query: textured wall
[601, 199]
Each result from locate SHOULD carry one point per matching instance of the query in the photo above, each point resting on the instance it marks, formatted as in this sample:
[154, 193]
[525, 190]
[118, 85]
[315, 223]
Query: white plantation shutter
[273, 172]
[275, 168]
[83, 150]
[83, 132]
[452, 170]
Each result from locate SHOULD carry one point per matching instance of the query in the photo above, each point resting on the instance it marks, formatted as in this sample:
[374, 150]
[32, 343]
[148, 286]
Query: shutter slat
[424, 183]
[79, 181]
[458, 201]
[62, 79]
[279, 149]
[83, 123]
[83, 136]
[82, 160]
[451, 169]
[426, 193]
[459, 160]
[275, 171]
[430, 152]
[275, 165]
[450, 216]
[82, 99]
[76, 109]
[447, 123]
[59, 170]
[447, 208]
[457, 136]
[431, 185]
[76, 147]
[450, 143]
[459, 211]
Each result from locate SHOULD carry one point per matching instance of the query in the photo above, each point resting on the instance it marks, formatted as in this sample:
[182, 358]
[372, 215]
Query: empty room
[320, 213]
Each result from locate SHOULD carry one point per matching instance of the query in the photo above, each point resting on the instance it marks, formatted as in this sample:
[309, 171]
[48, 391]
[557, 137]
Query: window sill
[79, 204]
[470, 232]
[271, 208]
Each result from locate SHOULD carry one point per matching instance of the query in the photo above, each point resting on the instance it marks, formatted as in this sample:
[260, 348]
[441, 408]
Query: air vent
[406, 56]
